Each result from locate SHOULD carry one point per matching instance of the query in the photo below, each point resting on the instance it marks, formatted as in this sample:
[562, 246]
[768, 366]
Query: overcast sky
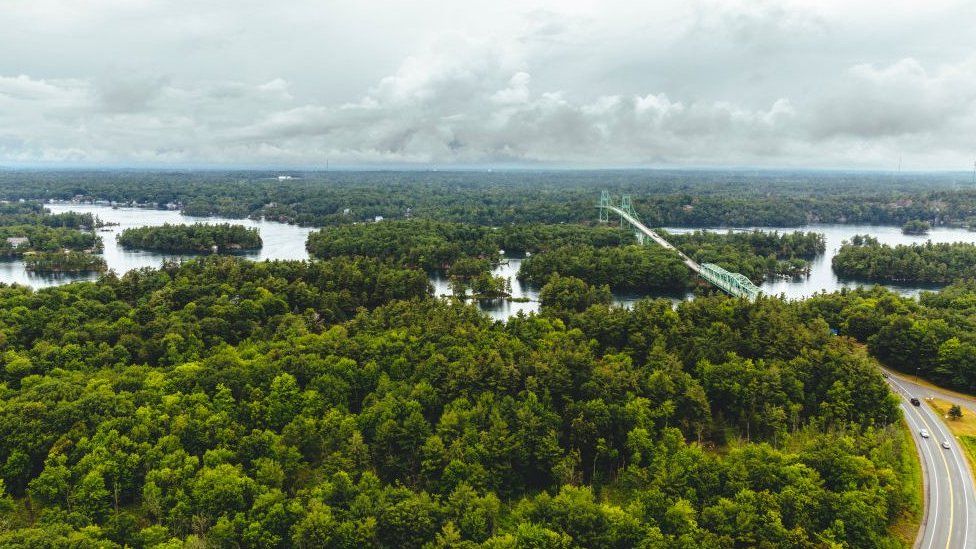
[602, 83]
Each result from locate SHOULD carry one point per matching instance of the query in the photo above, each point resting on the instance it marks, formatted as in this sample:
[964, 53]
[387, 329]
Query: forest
[864, 258]
[933, 336]
[335, 403]
[220, 402]
[193, 238]
[756, 254]
[600, 255]
[631, 268]
[675, 198]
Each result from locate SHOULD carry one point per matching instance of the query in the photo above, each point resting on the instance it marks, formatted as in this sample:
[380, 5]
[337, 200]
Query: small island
[66, 261]
[916, 227]
[865, 258]
[197, 238]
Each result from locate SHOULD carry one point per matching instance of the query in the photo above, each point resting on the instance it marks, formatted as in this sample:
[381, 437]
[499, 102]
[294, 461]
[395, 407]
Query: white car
[924, 433]
[945, 444]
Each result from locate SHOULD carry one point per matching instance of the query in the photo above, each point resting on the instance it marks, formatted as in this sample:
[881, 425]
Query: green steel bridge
[734, 284]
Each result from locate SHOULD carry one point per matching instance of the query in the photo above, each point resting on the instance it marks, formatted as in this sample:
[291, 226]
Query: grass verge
[905, 528]
[964, 426]
[964, 429]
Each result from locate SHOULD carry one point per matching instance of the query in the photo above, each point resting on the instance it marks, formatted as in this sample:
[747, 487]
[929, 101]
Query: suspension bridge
[734, 284]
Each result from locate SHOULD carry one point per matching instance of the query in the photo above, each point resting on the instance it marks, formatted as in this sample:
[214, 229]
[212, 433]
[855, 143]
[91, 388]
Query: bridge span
[734, 284]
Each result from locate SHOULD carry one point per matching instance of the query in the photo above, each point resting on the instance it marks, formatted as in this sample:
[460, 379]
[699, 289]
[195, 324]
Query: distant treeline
[662, 197]
[196, 238]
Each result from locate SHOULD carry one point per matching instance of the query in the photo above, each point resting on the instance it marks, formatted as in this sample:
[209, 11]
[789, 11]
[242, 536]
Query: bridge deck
[691, 263]
[735, 284]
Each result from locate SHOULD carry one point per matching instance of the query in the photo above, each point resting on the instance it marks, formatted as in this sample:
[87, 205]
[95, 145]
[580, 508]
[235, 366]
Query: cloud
[717, 83]
[902, 98]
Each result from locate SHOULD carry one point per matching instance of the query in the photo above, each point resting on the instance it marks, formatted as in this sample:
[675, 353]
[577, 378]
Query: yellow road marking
[952, 498]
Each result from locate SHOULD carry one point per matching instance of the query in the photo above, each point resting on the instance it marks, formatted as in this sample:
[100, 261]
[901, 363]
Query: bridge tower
[628, 206]
[605, 203]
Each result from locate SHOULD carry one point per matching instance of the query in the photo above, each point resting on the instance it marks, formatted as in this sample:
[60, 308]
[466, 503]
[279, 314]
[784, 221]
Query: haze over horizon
[518, 84]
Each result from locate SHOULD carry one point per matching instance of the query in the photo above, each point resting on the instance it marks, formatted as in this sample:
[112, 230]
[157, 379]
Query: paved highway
[921, 390]
[950, 520]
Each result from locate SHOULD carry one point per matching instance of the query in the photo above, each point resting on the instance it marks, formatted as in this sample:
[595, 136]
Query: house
[17, 241]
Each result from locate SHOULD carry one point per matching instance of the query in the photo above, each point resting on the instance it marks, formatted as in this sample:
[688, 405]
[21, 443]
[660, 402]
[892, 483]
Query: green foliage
[933, 335]
[623, 268]
[955, 412]
[195, 238]
[333, 403]
[650, 268]
[567, 294]
[753, 253]
[64, 262]
[44, 232]
[916, 227]
[428, 245]
[662, 197]
[865, 258]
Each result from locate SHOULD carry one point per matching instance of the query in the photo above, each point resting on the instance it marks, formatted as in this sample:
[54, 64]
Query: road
[951, 498]
[922, 390]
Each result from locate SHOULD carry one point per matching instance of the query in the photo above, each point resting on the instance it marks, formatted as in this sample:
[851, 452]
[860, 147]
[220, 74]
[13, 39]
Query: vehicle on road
[945, 444]
[884, 375]
[924, 433]
[915, 402]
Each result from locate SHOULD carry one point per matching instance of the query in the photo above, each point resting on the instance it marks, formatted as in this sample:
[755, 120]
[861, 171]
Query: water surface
[282, 241]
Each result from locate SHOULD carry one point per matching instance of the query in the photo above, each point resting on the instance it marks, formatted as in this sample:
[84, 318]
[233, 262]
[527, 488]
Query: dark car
[915, 402]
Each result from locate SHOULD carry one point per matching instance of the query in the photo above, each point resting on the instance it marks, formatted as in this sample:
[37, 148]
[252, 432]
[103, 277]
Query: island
[196, 238]
[916, 227]
[864, 258]
[67, 261]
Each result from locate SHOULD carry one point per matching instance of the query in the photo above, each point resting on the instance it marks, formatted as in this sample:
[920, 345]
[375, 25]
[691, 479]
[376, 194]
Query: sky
[786, 84]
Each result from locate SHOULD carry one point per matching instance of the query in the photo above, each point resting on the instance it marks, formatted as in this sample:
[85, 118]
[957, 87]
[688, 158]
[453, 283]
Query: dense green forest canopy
[864, 258]
[694, 198]
[335, 403]
[433, 245]
[632, 268]
[600, 255]
[193, 238]
[755, 254]
[934, 335]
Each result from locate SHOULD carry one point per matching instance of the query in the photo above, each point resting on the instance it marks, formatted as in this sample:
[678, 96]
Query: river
[282, 241]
